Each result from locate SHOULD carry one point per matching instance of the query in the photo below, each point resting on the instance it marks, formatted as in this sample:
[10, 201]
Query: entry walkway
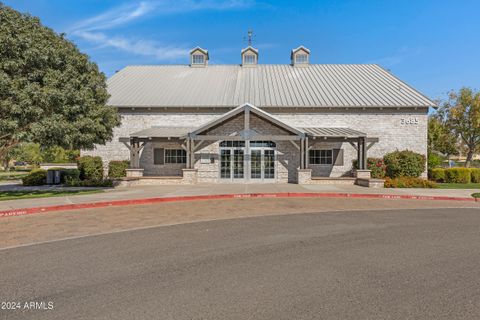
[140, 192]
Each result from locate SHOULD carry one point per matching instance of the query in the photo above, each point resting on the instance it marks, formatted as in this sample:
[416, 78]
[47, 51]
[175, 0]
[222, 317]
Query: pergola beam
[240, 138]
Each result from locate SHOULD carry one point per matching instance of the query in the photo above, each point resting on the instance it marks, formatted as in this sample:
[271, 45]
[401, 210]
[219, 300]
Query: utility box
[54, 176]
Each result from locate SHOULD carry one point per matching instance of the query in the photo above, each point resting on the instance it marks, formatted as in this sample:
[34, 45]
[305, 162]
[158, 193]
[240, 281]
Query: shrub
[434, 160]
[409, 182]
[404, 164]
[116, 169]
[70, 175]
[437, 174]
[457, 175]
[90, 183]
[36, 177]
[476, 195]
[475, 175]
[91, 168]
[376, 165]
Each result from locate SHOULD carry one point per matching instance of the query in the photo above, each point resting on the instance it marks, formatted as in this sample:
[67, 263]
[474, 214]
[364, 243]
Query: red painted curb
[101, 204]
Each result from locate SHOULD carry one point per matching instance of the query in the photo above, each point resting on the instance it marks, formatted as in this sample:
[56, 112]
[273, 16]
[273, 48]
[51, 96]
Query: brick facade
[394, 129]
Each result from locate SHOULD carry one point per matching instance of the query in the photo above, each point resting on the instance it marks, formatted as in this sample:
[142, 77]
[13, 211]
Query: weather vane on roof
[249, 37]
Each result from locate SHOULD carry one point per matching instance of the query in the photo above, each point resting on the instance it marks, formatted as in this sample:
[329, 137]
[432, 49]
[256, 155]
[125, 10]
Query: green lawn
[12, 175]
[459, 186]
[28, 194]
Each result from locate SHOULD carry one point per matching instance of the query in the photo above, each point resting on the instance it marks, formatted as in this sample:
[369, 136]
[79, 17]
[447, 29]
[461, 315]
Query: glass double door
[232, 164]
[260, 164]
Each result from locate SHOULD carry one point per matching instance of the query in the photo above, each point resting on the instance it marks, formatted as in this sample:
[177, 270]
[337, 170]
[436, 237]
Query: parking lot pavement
[382, 264]
[49, 226]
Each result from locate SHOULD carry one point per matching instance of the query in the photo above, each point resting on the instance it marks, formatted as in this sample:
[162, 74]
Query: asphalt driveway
[392, 264]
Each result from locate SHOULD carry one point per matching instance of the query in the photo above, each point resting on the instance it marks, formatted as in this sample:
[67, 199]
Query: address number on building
[407, 121]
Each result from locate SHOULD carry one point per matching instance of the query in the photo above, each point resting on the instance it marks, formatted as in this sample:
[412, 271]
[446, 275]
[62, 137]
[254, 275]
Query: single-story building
[251, 122]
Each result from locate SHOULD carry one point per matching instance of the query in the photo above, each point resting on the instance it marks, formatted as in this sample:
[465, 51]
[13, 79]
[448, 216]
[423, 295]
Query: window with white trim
[321, 157]
[175, 156]
[249, 59]
[198, 59]
[301, 58]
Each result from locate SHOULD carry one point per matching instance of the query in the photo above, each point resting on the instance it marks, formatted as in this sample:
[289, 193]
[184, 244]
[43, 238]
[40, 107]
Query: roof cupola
[300, 57]
[198, 57]
[249, 56]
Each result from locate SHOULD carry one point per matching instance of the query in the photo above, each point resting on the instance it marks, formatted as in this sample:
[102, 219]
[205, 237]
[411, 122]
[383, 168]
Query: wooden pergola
[191, 139]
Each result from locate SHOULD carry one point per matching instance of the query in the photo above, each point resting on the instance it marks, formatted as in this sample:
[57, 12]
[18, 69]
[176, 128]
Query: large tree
[461, 114]
[50, 92]
[440, 138]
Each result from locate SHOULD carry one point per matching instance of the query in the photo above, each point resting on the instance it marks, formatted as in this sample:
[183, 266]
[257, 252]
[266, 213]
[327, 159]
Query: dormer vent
[300, 57]
[198, 57]
[249, 56]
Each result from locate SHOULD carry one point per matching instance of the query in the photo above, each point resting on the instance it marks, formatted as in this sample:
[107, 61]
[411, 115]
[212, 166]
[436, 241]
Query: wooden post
[359, 155]
[192, 154]
[134, 153]
[302, 156]
[306, 152]
[135, 148]
[247, 157]
[364, 153]
[189, 150]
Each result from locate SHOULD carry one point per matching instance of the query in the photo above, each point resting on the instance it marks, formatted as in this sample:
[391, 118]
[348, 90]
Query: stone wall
[167, 169]
[384, 124]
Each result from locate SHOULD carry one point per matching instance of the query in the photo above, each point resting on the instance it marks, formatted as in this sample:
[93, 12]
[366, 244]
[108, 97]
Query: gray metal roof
[162, 132]
[333, 132]
[263, 86]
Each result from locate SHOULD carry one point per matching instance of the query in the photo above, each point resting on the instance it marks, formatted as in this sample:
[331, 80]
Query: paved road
[403, 264]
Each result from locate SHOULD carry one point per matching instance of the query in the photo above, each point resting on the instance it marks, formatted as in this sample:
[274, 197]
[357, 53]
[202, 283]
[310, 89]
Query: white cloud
[115, 17]
[127, 13]
[139, 47]
[94, 29]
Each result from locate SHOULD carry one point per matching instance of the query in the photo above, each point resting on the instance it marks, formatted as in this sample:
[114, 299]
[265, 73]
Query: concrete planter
[371, 183]
[362, 174]
[190, 176]
[134, 172]
[304, 176]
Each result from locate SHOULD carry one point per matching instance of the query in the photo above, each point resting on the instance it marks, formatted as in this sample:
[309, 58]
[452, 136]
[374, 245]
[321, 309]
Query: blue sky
[432, 45]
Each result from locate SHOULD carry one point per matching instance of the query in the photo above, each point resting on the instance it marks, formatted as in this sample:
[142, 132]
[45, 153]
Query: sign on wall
[409, 121]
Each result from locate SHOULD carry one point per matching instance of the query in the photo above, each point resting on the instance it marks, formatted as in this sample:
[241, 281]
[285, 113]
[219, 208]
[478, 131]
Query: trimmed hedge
[404, 163]
[117, 168]
[458, 175]
[475, 174]
[437, 174]
[409, 182]
[90, 183]
[36, 177]
[91, 168]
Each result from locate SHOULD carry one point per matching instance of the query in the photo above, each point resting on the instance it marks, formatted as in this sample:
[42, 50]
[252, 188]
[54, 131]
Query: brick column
[304, 176]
